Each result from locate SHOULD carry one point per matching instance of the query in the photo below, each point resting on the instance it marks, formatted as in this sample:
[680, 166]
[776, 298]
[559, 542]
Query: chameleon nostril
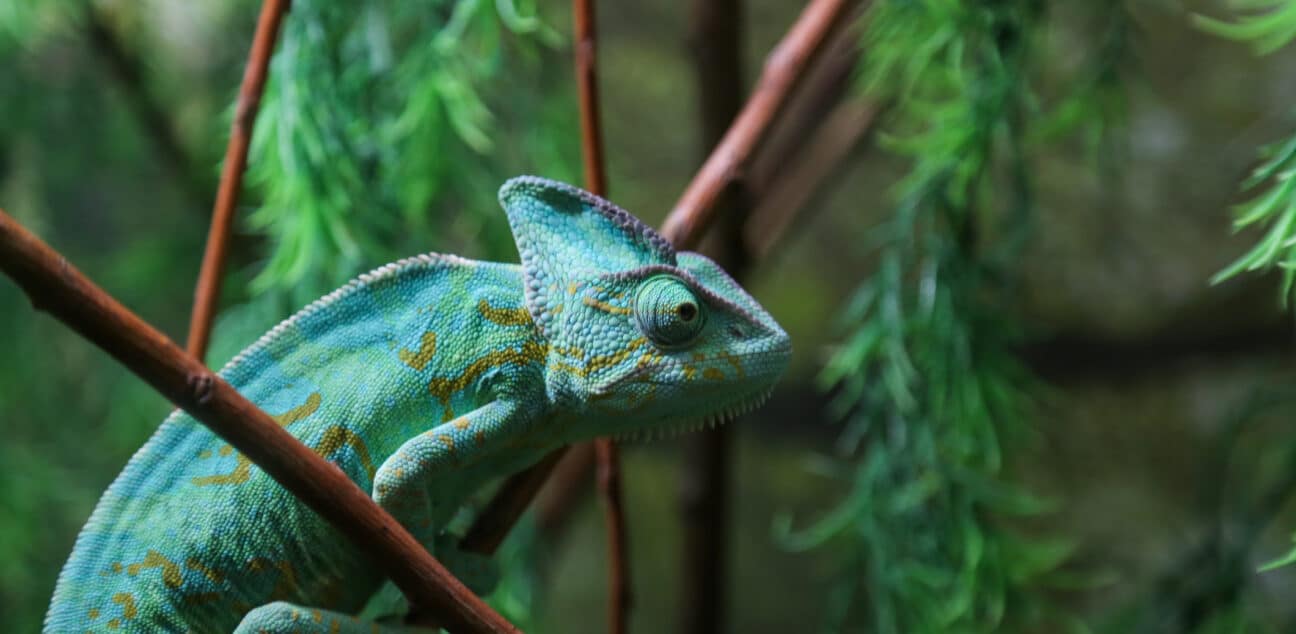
[737, 332]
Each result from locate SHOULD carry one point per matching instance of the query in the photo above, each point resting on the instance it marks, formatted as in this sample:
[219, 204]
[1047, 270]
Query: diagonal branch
[689, 220]
[609, 462]
[207, 293]
[55, 286]
[728, 162]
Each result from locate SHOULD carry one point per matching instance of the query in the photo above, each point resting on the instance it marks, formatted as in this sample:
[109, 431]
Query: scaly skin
[422, 380]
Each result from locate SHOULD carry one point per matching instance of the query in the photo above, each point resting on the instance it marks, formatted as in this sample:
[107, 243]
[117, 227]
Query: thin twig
[704, 488]
[55, 286]
[784, 65]
[207, 292]
[791, 191]
[609, 471]
[789, 58]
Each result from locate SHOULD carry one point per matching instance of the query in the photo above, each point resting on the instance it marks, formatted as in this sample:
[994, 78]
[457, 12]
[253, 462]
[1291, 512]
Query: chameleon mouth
[688, 425]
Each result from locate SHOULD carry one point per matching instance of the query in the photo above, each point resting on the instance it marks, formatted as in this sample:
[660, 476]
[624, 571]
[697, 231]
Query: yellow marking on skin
[690, 372]
[572, 287]
[212, 574]
[242, 471]
[556, 309]
[153, 559]
[337, 437]
[448, 441]
[127, 603]
[317, 616]
[570, 351]
[287, 584]
[116, 567]
[735, 362]
[504, 316]
[205, 454]
[605, 307]
[480, 436]
[570, 369]
[298, 413]
[335, 626]
[242, 465]
[609, 360]
[444, 388]
[713, 374]
[419, 360]
[114, 624]
[462, 423]
[93, 614]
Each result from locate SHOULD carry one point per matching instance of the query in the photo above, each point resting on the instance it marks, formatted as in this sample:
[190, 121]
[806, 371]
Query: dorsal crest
[566, 235]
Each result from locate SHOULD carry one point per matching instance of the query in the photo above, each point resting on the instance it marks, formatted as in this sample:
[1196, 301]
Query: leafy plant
[1267, 25]
[926, 382]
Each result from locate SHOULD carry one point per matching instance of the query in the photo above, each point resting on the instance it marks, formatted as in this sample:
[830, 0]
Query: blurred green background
[1155, 429]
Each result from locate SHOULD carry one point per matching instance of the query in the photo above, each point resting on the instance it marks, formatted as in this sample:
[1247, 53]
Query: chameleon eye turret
[668, 312]
[422, 380]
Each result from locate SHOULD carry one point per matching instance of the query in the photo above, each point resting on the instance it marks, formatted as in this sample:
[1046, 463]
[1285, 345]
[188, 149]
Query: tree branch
[715, 39]
[727, 163]
[207, 292]
[605, 450]
[55, 286]
[787, 60]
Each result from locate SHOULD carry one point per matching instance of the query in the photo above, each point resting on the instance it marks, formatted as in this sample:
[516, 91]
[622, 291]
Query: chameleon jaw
[710, 421]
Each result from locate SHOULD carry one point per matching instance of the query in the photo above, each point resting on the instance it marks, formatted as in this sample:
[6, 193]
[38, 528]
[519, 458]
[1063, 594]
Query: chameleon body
[421, 380]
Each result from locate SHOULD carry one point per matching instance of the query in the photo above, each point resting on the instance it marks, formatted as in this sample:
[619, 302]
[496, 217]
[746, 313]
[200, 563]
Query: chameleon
[422, 380]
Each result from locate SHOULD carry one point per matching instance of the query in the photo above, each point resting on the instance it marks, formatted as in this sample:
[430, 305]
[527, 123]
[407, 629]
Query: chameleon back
[191, 535]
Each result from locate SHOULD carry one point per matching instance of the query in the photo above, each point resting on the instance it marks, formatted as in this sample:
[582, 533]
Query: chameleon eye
[668, 312]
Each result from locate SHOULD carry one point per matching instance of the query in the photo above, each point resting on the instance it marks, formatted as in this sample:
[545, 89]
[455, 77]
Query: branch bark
[207, 292]
[609, 462]
[715, 40]
[728, 162]
[55, 286]
[689, 219]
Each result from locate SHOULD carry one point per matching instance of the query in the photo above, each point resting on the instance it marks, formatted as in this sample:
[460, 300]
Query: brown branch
[55, 286]
[567, 486]
[791, 191]
[729, 160]
[788, 59]
[586, 59]
[609, 486]
[207, 293]
[609, 480]
[704, 490]
[125, 70]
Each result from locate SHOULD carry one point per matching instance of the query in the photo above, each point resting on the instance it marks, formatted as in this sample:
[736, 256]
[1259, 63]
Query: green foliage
[932, 397]
[1269, 25]
[375, 115]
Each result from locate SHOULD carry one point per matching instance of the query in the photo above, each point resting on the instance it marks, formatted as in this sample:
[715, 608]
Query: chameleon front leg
[411, 484]
[282, 617]
[406, 485]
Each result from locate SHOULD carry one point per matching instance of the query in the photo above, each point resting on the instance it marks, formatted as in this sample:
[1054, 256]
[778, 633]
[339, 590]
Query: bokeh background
[1153, 416]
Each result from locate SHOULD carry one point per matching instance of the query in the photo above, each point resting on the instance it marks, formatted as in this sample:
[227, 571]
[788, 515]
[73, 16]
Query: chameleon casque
[422, 380]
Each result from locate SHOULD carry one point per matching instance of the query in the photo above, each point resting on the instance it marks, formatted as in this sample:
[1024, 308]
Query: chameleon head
[642, 339]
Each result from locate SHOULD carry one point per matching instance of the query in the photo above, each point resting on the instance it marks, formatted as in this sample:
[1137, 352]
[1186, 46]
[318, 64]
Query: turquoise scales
[422, 380]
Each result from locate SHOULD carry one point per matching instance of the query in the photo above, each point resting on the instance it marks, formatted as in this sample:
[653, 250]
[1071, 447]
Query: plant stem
[207, 292]
[55, 286]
